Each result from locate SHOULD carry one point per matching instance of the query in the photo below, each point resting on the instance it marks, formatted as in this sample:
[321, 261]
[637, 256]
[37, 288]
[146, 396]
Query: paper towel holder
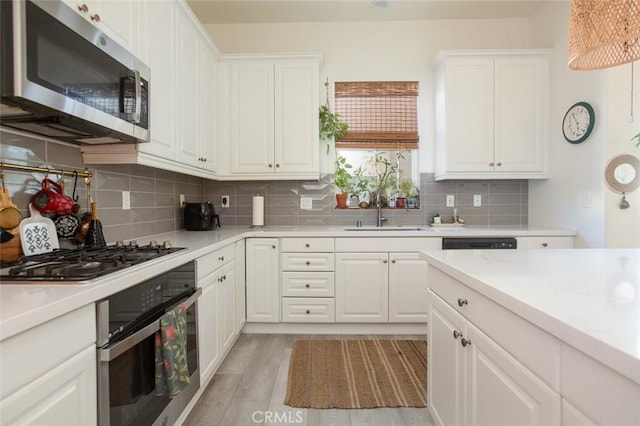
[257, 220]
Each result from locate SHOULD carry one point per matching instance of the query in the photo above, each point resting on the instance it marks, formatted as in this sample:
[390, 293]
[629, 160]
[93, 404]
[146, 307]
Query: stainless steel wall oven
[128, 322]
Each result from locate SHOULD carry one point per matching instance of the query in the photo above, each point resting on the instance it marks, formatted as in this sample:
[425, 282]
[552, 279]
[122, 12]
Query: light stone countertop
[23, 306]
[588, 298]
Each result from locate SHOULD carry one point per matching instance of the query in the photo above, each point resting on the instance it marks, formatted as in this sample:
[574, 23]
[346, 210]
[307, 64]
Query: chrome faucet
[381, 219]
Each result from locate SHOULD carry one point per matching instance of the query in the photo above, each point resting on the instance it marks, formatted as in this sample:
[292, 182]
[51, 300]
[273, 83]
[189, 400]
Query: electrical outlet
[126, 200]
[477, 200]
[451, 200]
[306, 203]
[225, 201]
[182, 200]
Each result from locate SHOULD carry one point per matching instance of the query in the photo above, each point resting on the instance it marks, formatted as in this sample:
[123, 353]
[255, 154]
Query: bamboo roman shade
[380, 114]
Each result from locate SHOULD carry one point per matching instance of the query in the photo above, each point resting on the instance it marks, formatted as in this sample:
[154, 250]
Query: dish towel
[172, 371]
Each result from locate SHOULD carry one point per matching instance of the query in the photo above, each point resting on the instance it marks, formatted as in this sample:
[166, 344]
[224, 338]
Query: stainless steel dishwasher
[479, 243]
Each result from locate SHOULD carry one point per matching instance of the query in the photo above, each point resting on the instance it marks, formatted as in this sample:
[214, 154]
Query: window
[380, 114]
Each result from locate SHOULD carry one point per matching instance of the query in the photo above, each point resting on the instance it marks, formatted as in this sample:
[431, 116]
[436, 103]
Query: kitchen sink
[387, 228]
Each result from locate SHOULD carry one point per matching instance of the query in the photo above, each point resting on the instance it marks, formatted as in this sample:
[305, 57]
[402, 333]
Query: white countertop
[588, 298]
[23, 306]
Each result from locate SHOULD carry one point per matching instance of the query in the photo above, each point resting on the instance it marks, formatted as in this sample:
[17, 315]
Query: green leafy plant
[331, 127]
[341, 176]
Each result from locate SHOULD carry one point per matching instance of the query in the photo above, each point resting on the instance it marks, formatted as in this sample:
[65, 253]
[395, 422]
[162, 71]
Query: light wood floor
[251, 383]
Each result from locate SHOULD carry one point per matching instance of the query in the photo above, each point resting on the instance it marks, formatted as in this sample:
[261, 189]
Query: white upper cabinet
[272, 122]
[491, 115]
[183, 102]
[115, 18]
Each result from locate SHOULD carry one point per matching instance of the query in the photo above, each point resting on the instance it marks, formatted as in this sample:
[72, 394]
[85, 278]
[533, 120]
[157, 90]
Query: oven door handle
[109, 354]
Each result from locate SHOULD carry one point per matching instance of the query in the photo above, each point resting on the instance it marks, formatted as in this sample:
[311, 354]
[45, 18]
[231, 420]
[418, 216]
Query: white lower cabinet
[217, 322]
[307, 280]
[45, 382]
[362, 287]
[407, 288]
[263, 298]
[381, 287]
[473, 381]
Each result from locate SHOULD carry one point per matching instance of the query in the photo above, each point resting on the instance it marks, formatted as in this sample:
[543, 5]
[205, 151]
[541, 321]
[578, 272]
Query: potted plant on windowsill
[342, 181]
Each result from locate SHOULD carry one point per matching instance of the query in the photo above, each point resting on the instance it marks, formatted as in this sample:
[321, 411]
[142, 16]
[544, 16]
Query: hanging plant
[331, 127]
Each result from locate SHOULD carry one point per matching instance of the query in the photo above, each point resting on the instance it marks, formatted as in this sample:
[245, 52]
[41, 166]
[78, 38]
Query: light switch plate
[182, 200]
[477, 200]
[126, 200]
[451, 200]
[306, 203]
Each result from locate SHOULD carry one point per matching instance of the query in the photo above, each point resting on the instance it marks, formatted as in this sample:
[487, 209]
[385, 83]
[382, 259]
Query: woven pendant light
[603, 33]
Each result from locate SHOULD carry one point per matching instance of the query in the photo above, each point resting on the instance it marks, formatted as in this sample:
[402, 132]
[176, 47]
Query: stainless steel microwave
[61, 77]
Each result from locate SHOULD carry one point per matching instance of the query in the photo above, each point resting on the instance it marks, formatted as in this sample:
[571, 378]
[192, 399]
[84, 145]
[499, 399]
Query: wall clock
[578, 122]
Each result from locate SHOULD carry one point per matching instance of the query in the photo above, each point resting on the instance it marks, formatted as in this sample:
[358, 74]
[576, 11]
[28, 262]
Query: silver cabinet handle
[277, 165]
[499, 163]
[544, 244]
[307, 263]
[273, 247]
[462, 302]
[270, 165]
[393, 261]
[306, 245]
[95, 18]
[385, 261]
[307, 285]
[307, 311]
[492, 164]
[83, 8]
[221, 258]
[464, 342]
[456, 334]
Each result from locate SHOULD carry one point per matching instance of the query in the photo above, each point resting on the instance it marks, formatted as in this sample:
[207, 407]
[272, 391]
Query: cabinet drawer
[387, 244]
[318, 245]
[212, 261]
[307, 261]
[535, 348]
[544, 242]
[308, 309]
[307, 284]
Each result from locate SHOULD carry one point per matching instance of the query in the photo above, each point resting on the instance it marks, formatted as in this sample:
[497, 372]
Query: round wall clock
[623, 173]
[578, 122]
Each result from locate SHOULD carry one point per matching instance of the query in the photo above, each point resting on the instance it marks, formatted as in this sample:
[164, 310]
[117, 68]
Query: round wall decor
[622, 174]
[578, 122]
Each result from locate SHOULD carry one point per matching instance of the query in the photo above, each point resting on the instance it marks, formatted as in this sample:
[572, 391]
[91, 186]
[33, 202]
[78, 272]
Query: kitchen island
[579, 313]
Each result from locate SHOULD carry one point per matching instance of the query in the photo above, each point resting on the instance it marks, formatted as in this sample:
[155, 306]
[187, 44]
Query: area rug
[363, 373]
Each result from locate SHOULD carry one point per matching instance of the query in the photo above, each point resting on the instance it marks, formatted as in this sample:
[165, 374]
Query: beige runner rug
[357, 374]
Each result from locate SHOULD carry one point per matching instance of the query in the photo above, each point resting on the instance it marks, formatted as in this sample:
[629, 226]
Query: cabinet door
[520, 121]
[226, 305]
[160, 51]
[241, 312]
[362, 287]
[296, 117]
[469, 117]
[263, 298]
[116, 18]
[207, 157]
[496, 380]
[65, 395]
[251, 118]
[408, 301]
[446, 366]
[188, 90]
[208, 327]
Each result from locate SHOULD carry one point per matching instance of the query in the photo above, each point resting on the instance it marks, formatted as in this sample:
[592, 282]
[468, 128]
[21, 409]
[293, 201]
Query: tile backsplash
[155, 195]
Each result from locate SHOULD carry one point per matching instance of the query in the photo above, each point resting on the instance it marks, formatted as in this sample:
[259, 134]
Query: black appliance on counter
[200, 217]
[479, 243]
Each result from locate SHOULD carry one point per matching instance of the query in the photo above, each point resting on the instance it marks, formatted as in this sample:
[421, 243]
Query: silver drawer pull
[456, 334]
[307, 262]
[307, 285]
[464, 342]
[221, 258]
[307, 311]
[462, 302]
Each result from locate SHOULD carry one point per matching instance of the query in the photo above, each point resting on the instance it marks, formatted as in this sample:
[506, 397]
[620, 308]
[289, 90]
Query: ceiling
[268, 11]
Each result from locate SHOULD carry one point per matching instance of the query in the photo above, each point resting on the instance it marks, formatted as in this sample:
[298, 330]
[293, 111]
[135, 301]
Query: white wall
[622, 226]
[575, 195]
[369, 51]
[574, 170]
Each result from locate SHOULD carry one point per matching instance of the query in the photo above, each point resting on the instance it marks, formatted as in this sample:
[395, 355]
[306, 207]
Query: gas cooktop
[84, 263]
